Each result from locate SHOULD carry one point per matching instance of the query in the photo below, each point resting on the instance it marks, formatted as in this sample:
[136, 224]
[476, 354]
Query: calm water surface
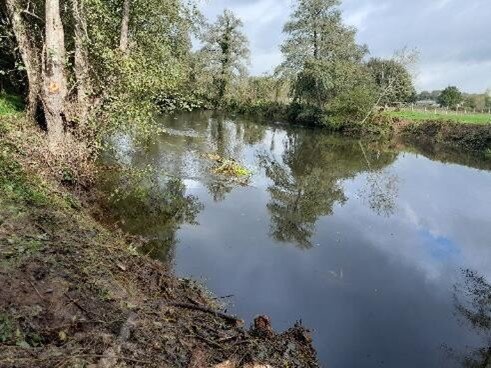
[365, 246]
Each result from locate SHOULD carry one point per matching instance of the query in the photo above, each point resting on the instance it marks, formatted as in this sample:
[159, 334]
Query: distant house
[427, 103]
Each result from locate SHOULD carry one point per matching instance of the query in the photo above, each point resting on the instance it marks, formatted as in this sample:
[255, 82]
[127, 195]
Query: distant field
[10, 105]
[459, 118]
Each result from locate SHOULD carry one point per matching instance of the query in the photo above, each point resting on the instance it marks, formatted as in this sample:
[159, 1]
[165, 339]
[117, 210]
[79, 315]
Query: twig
[82, 308]
[32, 15]
[37, 291]
[224, 297]
[200, 308]
[208, 341]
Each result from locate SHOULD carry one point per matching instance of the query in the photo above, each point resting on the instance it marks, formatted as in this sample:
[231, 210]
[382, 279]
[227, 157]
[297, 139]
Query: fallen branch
[203, 309]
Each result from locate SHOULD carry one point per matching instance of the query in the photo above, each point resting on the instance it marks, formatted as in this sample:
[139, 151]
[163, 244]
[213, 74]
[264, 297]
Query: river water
[367, 246]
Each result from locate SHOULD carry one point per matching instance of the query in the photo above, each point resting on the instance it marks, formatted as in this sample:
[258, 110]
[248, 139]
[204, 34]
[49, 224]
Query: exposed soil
[467, 137]
[75, 294]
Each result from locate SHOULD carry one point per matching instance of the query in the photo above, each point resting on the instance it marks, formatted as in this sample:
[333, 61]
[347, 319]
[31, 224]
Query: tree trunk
[123, 42]
[81, 61]
[316, 45]
[54, 78]
[29, 55]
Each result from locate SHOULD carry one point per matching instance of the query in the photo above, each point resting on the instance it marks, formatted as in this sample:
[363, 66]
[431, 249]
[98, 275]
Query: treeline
[452, 97]
[326, 77]
[89, 66]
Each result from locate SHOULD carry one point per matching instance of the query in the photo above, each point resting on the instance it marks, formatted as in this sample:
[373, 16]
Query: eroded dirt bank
[75, 294]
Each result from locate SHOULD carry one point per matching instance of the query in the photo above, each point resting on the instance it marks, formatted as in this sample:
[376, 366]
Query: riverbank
[466, 136]
[74, 293]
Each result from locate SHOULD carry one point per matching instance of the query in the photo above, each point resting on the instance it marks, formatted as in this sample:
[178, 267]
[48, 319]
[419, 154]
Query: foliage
[315, 31]
[487, 99]
[450, 97]
[324, 63]
[169, 102]
[393, 80]
[10, 104]
[225, 52]
[156, 63]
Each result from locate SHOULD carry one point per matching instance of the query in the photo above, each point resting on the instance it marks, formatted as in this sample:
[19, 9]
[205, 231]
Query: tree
[55, 84]
[315, 32]
[320, 52]
[450, 97]
[226, 49]
[487, 101]
[393, 80]
[68, 52]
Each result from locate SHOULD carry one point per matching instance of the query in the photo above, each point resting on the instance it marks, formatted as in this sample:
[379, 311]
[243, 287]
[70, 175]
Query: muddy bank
[468, 137]
[76, 294]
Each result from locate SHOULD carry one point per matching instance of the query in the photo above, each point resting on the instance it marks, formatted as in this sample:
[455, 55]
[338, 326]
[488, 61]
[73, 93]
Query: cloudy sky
[453, 36]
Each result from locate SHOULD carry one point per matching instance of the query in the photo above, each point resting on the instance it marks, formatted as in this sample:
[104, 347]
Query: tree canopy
[393, 80]
[321, 55]
[450, 97]
[226, 51]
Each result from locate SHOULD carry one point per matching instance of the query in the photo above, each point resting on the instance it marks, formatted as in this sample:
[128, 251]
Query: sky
[453, 37]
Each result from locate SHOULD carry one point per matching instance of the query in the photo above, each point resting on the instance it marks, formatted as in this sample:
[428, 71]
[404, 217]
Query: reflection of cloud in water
[436, 229]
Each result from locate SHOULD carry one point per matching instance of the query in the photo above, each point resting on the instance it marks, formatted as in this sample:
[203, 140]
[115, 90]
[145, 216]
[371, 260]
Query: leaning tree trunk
[29, 55]
[54, 78]
[81, 61]
[123, 42]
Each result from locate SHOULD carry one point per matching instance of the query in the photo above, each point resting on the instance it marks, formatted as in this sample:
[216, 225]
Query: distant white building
[427, 103]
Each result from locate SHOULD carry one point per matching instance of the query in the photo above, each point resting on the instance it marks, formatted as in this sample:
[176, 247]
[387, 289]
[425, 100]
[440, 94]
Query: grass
[425, 116]
[15, 184]
[10, 104]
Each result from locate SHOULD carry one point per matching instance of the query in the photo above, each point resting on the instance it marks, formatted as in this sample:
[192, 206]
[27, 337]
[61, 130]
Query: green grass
[425, 116]
[15, 184]
[10, 104]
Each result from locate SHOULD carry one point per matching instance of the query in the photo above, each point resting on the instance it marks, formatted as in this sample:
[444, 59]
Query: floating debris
[230, 168]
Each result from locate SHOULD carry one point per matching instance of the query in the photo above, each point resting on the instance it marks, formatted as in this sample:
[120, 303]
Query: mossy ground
[76, 294]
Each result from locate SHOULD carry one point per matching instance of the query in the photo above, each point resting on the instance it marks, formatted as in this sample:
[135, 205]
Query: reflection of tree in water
[298, 201]
[306, 184]
[380, 192]
[219, 189]
[154, 208]
[229, 141]
[251, 133]
[381, 189]
[473, 305]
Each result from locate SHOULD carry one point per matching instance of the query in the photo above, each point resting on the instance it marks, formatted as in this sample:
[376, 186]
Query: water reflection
[306, 183]
[378, 235]
[151, 205]
[473, 305]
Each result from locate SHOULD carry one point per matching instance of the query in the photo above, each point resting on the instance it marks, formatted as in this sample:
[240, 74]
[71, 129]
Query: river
[367, 246]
